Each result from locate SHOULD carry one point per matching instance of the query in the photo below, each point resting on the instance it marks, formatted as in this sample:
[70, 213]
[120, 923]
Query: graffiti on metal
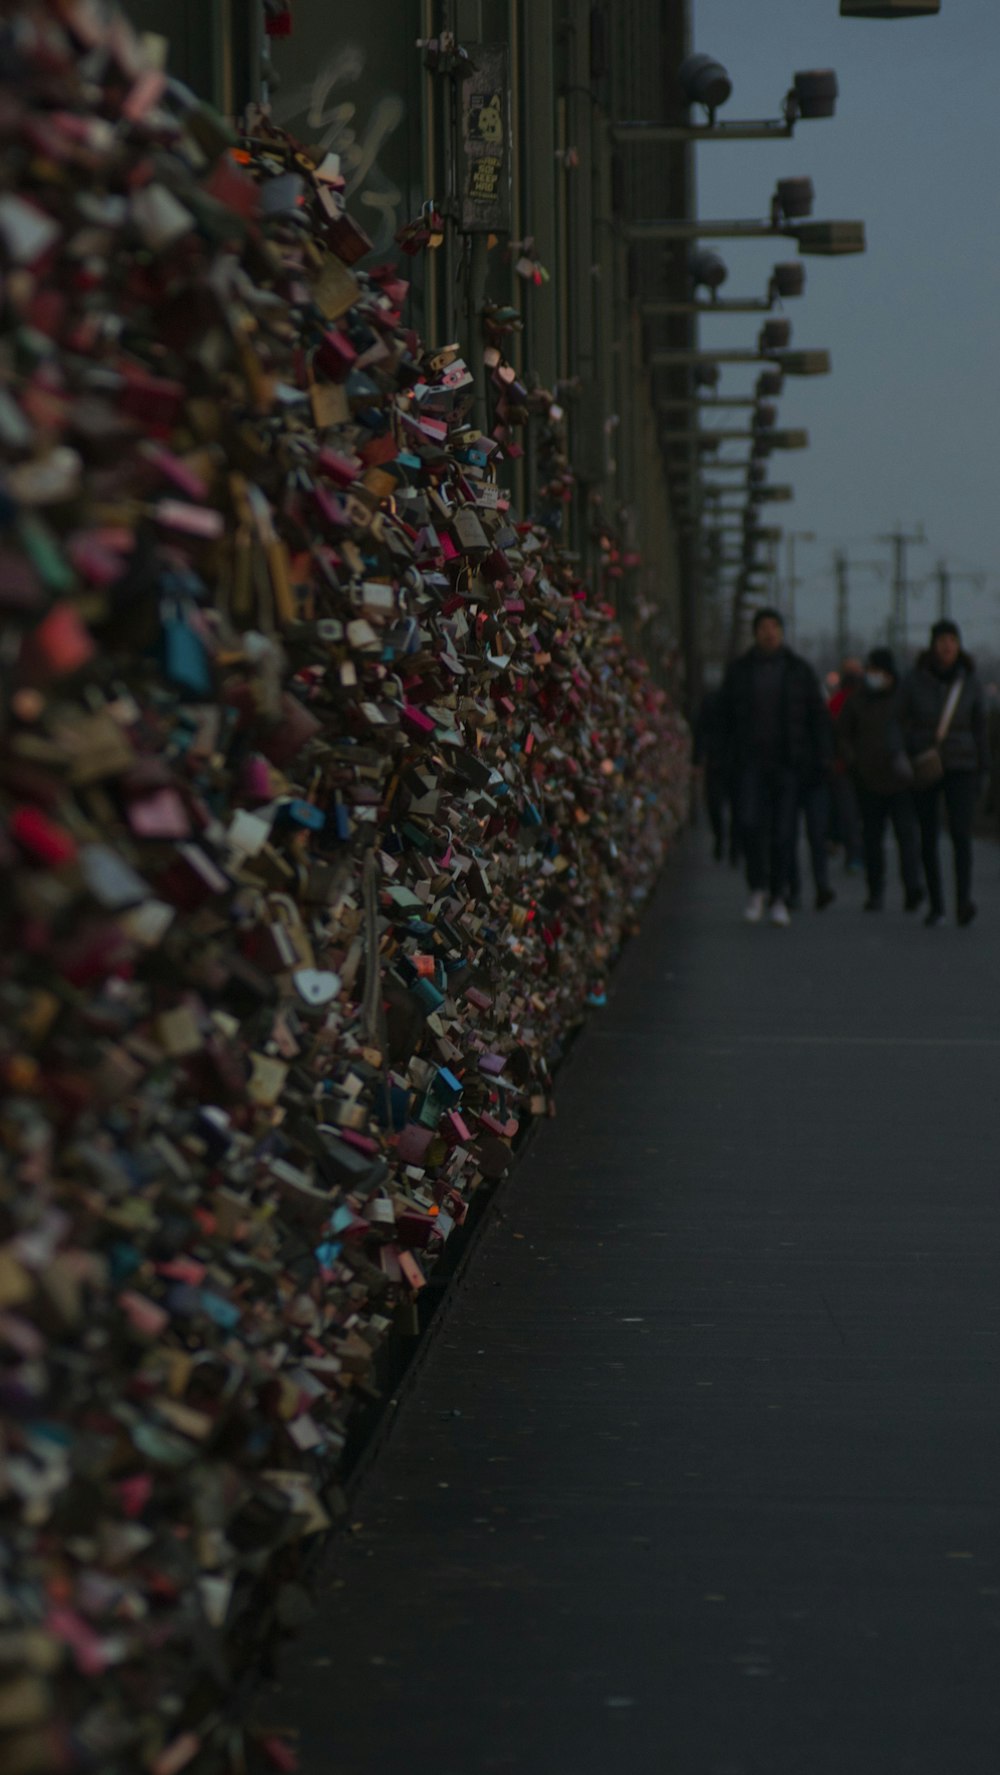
[329, 115]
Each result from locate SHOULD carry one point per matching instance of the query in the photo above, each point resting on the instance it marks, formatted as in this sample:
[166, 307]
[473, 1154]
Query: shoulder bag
[928, 767]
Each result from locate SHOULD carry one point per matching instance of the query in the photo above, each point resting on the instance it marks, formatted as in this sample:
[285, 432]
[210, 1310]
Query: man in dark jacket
[964, 753]
[870, 744]
[774, 720]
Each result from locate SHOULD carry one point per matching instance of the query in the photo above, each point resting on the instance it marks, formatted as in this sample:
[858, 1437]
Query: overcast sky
[906, 431]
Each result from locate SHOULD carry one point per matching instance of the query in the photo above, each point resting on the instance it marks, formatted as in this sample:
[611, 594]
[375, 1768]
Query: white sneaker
[756, 907]
[780, 913]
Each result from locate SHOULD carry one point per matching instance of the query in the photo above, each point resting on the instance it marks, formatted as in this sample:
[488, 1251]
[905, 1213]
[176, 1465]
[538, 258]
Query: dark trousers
[814, 806]
[718, 804]
[876, 812]
[961, 792]
[846, 822]
[715, 805]
[766, 805]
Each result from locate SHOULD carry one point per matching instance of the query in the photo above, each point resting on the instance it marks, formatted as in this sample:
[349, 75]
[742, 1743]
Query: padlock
[317, 987]
[291, 939]
[183, 655]
[469, 531]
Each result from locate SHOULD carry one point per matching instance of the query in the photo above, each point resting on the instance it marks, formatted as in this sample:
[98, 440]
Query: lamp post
[899, 616]
[771, 349]
[767, 388]
[825, 239]
[704, 81]
[786, 281]
[790, 217]
[945, 578]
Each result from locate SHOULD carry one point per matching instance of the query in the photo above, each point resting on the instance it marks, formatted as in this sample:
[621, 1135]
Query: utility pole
[792, 580]
[944, 589]
[899, 616]
[946, 579]
[843, 567]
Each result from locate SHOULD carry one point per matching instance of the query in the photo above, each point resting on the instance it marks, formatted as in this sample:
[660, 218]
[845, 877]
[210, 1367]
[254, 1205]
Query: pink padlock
[417, 722]
[256, 775]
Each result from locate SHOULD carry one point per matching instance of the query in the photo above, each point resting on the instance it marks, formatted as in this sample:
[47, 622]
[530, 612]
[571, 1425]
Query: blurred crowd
[875, 749]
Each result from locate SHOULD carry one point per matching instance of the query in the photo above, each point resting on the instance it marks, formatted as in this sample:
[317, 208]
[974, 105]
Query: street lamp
[705, 82]
[769, 384]
[781, 440]
[786, 281]
[827, 240]
[707, 270]
[775, 335]
[791, 206]
[803, 363]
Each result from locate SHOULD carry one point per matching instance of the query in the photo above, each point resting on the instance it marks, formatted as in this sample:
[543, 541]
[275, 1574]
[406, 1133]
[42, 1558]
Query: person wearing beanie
[943, 712]
[777, 739]
[870, 743]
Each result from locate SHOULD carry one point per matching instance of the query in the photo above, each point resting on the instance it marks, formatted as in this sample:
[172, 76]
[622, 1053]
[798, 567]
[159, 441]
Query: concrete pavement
[702, 1473]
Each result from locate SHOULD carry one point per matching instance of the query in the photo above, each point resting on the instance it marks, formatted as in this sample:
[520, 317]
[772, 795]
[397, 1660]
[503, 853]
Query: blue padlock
[183, 655]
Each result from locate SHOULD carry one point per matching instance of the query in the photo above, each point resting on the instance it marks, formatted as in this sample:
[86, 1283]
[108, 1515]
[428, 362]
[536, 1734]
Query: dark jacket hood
[927, 663]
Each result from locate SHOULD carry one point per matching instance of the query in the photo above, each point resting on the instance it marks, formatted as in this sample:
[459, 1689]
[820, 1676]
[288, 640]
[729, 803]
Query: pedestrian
[845, 823]
[849, 681]
[943, 718]
[773, 719]
[709, 757]
[814, 811]
[870, 744]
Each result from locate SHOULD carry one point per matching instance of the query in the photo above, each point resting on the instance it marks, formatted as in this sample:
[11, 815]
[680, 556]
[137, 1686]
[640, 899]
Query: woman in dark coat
[964, 756]
[870, 744]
